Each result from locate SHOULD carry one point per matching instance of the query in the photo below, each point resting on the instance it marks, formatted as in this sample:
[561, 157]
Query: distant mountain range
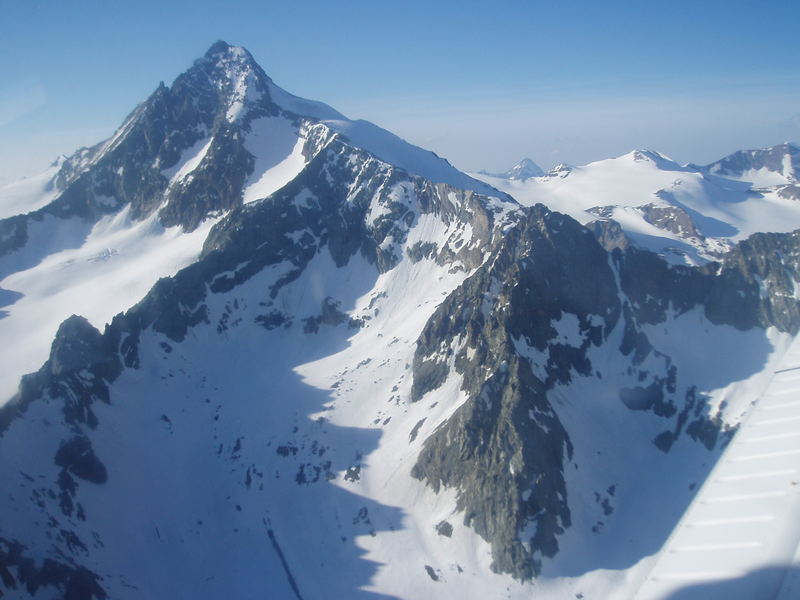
[257, 349]
[688, 214]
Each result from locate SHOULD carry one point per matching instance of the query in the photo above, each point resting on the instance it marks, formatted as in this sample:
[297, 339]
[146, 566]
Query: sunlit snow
[278, 150]
[117, 264]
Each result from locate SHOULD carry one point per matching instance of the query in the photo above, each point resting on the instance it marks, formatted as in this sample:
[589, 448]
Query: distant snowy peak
[561, 170]
[651, 155]
[524, 169]
[682, 212]
[221, 135]
[656, 159]
[776, 165]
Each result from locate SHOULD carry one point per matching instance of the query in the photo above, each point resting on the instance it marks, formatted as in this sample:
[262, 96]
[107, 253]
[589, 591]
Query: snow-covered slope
[740, 536]
[138, 206]
[325, 304]
[392, 149]
[688, 214]
[110, 269]
[295, 395]
[29, 193]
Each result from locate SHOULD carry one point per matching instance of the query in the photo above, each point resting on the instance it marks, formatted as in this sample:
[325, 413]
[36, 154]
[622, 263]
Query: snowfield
[278, 148]
[723, 209]
[107, 272]
[29, 193]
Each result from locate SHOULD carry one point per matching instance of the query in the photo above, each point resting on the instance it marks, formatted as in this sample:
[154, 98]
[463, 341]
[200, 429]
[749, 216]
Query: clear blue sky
[480, 83]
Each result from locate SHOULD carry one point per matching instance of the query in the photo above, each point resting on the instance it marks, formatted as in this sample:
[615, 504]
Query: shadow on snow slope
[770, 583]
[199, 472]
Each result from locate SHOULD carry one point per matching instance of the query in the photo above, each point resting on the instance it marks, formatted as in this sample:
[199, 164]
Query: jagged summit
[221, 136]
[524, 169]
[195, 147]
[560, 170]
[222, 53]
[232, 72]
[221, 47]
[237, 76]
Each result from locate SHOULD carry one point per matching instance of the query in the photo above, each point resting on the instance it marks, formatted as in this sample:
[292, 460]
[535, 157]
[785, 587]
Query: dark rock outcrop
[506, 442]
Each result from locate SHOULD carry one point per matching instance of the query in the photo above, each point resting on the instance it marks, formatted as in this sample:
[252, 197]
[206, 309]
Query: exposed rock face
[790, 192]
[506, 442]
[77, 346]
[561, 171]
[72, 583]
[345, 204]
[81, 363]
[758, 283]
[609, 234]
[506, 438]
[670, 218]
[505, 449]
[783, 159]
[215, 102]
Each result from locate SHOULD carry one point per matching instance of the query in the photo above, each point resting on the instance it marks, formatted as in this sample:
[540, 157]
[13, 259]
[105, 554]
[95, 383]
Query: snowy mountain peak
[220, 134]
[524, 169]
[223, 48]
[640, 155]
[231, 59]
[236, 73]
[560, 170]
[236, 76]
[655, 159]
[660, 160]
[775, 165]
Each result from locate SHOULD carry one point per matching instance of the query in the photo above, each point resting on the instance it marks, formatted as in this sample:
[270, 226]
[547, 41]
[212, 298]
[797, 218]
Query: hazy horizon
[480, 86]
